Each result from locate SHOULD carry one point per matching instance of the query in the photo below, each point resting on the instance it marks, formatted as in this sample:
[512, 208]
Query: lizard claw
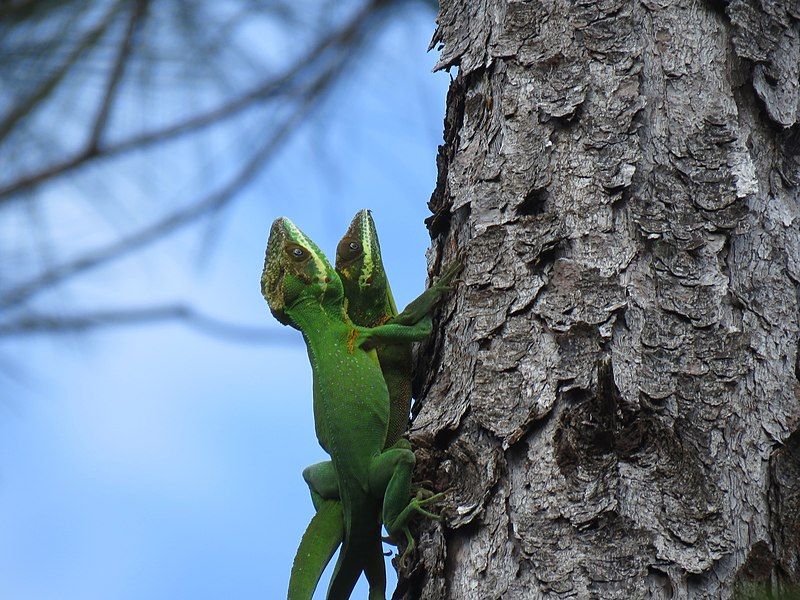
[410, 545]
[420, 500]
[423, 498]
[450, 271]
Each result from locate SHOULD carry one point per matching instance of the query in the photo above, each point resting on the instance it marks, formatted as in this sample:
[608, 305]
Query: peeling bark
[612, 399]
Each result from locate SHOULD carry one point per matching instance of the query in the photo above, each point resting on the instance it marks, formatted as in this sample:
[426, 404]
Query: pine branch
[287, 84]
[41, 323]
[117, 73]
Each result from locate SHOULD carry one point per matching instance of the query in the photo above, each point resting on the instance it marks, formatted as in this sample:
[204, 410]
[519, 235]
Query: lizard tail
[361, 534]
[320, 540]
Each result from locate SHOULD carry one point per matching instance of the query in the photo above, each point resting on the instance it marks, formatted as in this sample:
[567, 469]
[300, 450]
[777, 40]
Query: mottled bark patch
[758, 565]
[614, 180]
[784, 496]
[767, 34]
[596, 430]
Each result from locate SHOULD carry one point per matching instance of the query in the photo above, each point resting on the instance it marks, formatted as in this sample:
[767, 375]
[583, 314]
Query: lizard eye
[348, 250]
[298, 253]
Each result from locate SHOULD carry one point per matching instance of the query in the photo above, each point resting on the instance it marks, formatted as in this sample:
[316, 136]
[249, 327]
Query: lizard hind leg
[391, 472]
[390, 477]
[416, 504]
[322, 482]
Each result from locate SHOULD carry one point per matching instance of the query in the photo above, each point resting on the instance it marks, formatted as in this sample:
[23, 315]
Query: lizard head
[295, 269]
[358, 260]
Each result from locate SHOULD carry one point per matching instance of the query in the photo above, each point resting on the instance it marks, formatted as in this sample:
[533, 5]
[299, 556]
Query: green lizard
[369, 303]
[351, 407]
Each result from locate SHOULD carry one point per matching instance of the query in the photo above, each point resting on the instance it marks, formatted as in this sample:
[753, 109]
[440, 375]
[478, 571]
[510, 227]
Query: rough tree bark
[613, 393]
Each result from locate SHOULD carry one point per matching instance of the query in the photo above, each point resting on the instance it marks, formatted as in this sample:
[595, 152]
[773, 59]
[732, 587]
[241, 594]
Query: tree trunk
[612, 395]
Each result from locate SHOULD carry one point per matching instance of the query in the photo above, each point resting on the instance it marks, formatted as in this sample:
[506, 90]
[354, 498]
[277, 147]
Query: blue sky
[156, 462]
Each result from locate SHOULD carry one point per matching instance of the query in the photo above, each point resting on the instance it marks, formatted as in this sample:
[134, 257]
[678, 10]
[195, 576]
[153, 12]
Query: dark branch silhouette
[117, 72]
[27, 105]
[287, 84]
[155, 231]
[292, 93]
[39, 323]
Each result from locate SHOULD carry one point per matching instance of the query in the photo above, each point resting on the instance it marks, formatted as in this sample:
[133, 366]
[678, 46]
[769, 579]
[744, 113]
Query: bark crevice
[620, 360]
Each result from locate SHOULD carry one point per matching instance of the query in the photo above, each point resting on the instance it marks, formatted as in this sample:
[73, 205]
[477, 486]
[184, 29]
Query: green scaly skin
[369, 303]
[351, 407]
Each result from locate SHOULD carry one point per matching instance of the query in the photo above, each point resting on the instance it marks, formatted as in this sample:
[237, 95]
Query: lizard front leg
[424, 304]
[368, 337]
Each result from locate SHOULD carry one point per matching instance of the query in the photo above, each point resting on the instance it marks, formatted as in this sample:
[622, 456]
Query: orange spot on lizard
[351, 341]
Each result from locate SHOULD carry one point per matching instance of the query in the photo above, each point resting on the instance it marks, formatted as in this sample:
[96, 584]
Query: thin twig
[281, 85]
[24, 107]
[159, 229]
[117, 72]
[89, 321]
[183, 217]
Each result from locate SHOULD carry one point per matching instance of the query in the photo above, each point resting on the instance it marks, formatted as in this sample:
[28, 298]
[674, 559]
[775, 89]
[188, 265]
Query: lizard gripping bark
[369, 303]
[351, 407]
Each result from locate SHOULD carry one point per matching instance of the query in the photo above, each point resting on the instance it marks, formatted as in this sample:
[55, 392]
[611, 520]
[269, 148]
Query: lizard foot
[424, 498]
[417, 504]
